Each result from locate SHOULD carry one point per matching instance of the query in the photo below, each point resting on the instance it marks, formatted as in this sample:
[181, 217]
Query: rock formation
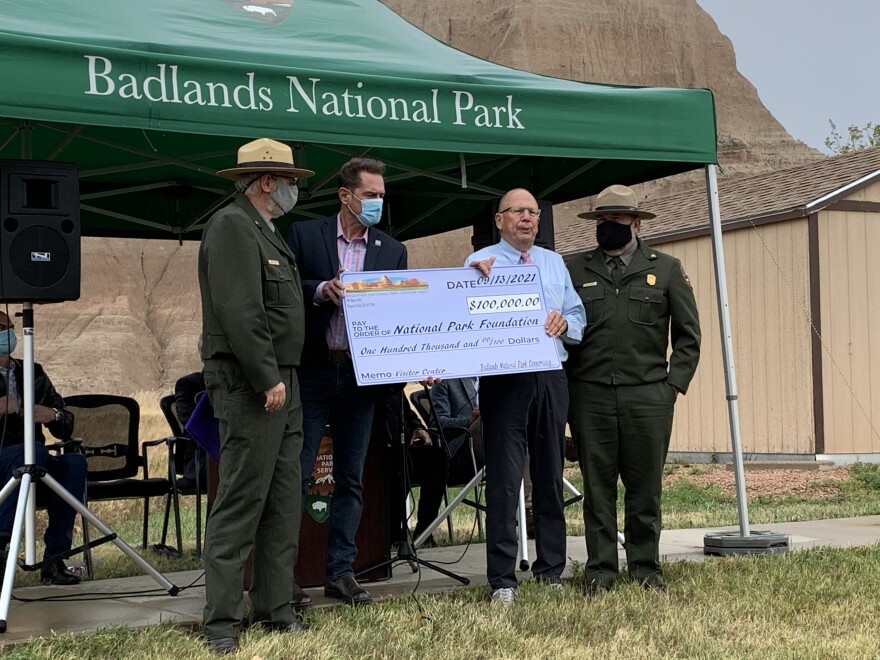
[655, 43]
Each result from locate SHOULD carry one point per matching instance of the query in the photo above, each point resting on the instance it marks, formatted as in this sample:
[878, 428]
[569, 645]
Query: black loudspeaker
[39, 231]
[486, 232]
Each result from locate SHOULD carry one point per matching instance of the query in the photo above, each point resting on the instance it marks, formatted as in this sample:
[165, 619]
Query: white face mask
[285, 195]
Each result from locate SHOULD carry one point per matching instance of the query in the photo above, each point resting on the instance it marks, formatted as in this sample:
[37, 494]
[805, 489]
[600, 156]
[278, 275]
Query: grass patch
[688, 504]
[762, 606]
[866, 475]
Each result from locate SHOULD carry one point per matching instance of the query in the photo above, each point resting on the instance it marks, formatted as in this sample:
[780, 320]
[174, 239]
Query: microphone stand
[406, 551]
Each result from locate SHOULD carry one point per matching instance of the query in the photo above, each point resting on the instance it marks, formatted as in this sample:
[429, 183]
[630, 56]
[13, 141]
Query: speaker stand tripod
[406, 551]
[26, 478]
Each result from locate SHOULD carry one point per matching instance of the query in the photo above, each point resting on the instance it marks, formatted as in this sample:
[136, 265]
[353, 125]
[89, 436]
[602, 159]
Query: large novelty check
[448, 322]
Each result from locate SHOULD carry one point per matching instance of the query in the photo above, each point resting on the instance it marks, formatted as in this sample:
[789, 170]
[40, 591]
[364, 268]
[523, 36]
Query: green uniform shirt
[630, 326]
[252, 305]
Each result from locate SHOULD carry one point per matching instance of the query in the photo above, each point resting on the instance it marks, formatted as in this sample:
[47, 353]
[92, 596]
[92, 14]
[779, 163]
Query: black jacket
[12, 426]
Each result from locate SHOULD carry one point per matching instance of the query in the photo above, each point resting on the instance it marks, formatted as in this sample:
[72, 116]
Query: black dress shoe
[347, 589]
[222, 645]
[295, 626]
[299, 599]
[57, 573]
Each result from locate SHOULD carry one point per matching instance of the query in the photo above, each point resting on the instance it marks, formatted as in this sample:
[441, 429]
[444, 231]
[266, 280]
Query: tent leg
[746, 542]
[727, 347]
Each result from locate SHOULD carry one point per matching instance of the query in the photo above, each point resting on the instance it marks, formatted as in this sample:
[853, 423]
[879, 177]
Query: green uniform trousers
[258, 503]
[622, 430]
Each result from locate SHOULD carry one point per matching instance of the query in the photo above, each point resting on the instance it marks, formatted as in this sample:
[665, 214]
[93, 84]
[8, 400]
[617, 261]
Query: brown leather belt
[342, 357]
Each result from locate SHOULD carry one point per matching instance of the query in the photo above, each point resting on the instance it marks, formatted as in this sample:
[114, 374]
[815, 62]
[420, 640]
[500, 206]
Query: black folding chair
[178, 443]
[106, 427]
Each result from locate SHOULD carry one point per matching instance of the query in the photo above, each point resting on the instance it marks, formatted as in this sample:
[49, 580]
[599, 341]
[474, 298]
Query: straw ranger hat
[617, 199]
[267, 156]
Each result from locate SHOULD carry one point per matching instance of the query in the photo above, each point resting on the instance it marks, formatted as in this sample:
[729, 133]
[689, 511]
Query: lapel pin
[377, 243]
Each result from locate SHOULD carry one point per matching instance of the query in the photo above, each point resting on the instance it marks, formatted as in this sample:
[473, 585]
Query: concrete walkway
[138, 601]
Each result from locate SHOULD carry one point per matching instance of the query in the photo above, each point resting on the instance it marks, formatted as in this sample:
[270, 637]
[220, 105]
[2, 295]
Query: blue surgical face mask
[8, 341]
[371, 211]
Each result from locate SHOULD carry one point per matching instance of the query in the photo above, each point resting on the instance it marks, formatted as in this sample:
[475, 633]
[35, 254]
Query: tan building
[802, 251]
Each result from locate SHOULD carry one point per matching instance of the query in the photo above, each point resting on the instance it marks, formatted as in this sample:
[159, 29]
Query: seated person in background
[457, 404]
[428, 463]
[186, 391]
[69, 469]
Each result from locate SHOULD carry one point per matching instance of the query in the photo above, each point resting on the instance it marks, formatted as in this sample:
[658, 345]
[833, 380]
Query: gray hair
[244, 181]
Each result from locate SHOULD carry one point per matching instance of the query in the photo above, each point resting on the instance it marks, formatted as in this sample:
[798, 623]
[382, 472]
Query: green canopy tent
[149, 99]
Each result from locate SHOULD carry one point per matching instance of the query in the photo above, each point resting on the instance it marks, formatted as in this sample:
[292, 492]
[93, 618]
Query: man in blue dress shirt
[527, 410]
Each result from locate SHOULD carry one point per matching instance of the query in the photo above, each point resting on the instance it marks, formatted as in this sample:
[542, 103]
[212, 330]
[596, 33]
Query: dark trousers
[330, 395]
[69, 470]
[429, 469]
[258, 503]
[195, 462]
[622, 430]
[519, 412]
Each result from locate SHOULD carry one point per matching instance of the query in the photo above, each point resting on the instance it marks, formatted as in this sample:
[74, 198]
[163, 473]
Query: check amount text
[519, 302]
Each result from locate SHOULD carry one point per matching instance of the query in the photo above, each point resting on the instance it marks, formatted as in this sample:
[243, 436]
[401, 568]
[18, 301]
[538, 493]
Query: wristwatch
[57, 414]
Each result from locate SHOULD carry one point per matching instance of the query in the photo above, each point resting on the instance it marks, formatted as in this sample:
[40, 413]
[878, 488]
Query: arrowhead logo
[267, 11]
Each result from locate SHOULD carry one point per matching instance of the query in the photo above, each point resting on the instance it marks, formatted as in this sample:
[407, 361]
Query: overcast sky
[810, 60]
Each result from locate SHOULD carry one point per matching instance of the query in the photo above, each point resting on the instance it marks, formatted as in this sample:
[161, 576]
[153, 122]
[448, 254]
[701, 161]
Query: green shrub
[867, 474]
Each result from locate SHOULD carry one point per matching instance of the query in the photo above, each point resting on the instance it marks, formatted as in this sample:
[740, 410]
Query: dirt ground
[813, 483]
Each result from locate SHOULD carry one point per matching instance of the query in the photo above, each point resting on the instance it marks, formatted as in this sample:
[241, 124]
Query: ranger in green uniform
[622, 390]
[252, 329]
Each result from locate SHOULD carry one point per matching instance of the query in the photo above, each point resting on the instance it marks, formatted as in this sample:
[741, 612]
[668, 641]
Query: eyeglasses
[519, 210]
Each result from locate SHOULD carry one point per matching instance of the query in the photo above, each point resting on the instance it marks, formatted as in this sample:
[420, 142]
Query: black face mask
[612, 235]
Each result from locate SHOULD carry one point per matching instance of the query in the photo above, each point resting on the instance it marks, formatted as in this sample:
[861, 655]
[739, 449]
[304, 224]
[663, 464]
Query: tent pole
[727, 347]
[747, 541]
[26, 146]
